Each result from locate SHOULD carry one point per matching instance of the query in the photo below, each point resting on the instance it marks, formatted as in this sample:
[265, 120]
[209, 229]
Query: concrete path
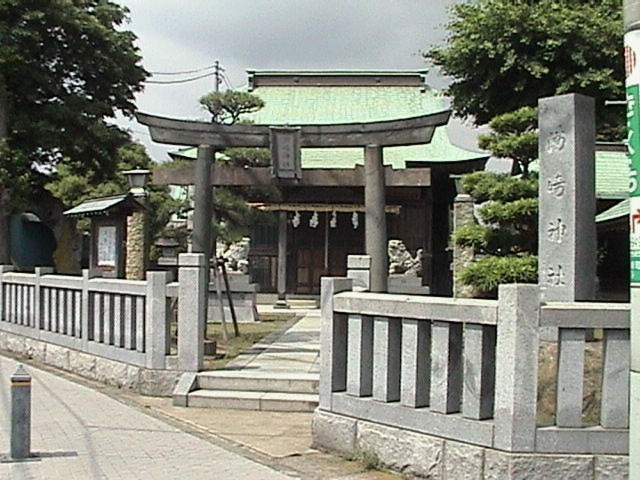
[83, 434]
[297, 350]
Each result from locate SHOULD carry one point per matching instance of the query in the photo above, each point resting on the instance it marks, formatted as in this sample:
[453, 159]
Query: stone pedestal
[406, 285]
[243, 296]
[359, 270]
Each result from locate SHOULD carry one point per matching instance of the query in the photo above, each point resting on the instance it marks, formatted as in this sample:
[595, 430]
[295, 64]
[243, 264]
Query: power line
[227, 81]
[184, 80]
[184, 72]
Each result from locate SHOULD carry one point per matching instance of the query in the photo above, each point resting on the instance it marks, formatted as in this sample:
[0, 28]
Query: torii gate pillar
[375, 221]
[203, 212]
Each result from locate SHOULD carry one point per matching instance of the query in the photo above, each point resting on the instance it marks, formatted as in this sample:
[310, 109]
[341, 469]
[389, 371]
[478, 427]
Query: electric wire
[184, 72]
[184, 80]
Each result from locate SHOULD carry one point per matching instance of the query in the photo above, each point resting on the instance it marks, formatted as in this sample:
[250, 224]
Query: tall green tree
[504, 54]
[66, 68]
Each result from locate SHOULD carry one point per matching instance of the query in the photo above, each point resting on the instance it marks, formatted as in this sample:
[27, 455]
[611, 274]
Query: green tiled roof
[102, 205]
[612, 175]
[300, 105]
[619, 210]
[354, 104]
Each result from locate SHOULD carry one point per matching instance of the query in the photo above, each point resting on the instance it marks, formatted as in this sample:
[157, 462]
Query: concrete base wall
[159, 383]
[440, 459]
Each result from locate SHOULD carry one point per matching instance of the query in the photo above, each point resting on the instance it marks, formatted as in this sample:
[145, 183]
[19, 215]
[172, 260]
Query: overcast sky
[273, 34]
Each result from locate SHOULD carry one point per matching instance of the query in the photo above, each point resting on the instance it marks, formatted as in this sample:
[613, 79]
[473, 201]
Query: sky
[186, 35]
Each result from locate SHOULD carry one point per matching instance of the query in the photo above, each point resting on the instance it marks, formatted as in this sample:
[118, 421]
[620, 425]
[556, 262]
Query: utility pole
[632, 84]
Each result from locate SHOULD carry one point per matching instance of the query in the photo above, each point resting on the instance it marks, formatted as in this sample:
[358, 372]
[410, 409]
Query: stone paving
[83, 434]
[297, 350]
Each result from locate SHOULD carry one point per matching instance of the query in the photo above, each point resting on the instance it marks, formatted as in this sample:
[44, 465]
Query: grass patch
[227, 350]
[367, 458]
[250, 333]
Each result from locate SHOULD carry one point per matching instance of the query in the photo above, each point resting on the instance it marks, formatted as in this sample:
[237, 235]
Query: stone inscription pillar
[375, 221]
[566, 224]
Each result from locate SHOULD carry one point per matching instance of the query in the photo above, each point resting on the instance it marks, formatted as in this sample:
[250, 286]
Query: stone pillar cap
[20, 375]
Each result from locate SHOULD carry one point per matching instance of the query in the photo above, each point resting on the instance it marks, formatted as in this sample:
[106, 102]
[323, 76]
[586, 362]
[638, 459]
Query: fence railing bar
[360, 355]
[614, 404]
[416, 363]
[446, 367]
[571, 344]
[387, 334]
[479, 371]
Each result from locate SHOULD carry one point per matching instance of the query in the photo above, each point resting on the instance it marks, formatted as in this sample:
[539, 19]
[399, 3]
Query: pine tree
[505, 239]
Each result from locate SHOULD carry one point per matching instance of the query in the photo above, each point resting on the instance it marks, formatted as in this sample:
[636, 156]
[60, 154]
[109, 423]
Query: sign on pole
[632, 45]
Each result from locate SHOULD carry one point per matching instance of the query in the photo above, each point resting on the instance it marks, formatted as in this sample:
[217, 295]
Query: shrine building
[325, 220]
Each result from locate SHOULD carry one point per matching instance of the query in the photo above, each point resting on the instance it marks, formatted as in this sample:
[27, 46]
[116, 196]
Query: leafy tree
[505, 240]
[65, 68]
[72, 188]
[504, 54]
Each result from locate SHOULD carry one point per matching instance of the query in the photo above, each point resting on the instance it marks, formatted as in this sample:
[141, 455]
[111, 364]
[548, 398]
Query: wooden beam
[406, 131]
[227, 175]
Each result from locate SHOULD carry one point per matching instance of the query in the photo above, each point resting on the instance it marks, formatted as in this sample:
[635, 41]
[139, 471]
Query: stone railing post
[37, 320]
[333, 341]
[3, 269]
[86, 326]
[192, 300]
[156, 326]
[517, 367]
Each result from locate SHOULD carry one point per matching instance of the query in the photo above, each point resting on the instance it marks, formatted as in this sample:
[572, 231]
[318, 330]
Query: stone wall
[158, 383]
[436, 458]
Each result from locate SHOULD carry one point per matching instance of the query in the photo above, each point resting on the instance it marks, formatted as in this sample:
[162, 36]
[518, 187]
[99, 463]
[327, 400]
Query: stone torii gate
[285, 143]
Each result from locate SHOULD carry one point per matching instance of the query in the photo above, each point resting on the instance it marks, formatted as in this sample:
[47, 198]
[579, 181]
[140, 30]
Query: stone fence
[113, 330]
[447, 388]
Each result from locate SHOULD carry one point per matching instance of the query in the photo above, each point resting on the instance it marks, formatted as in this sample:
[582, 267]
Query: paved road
[83, 434]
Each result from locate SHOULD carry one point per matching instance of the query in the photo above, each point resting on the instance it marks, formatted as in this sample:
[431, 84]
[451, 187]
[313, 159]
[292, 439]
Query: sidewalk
[83, 434]
[87, 430]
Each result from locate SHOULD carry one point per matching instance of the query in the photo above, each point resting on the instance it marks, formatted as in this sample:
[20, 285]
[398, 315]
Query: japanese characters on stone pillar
[567, 231]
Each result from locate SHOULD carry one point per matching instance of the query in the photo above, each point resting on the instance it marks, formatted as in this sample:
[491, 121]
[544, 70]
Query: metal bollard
[20, 414]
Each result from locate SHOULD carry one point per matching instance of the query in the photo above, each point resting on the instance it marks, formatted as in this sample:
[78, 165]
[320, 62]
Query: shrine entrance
[313, 260]
[322, 250]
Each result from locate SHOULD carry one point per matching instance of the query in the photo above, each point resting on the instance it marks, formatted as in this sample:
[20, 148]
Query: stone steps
[258, 381]
[250, 390]
[241, 400]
